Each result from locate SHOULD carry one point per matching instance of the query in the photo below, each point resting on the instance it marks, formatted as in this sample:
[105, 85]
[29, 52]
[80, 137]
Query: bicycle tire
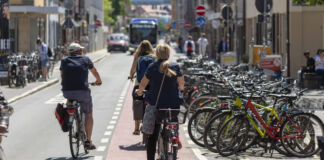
[304, 122]
[209, 135]
[174, 153]
[194, 128]
[239, 122]
[73, 135]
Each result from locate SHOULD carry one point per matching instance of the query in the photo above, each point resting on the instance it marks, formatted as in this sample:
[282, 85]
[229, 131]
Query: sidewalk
[124, 144]
[16, 93]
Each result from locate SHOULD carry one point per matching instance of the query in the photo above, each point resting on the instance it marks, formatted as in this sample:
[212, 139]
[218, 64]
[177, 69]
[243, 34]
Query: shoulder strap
[158, 97]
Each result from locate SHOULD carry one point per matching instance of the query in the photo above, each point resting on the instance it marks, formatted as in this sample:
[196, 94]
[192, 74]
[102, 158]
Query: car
[117, 42]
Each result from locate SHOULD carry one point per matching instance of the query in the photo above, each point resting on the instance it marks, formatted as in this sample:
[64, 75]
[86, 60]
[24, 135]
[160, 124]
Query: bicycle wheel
[197, 123]
[74, 137]
[305, 144]
[212, 128]
[232, 135]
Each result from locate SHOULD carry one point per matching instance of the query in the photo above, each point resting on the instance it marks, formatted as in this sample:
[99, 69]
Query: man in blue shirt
[75, 86]
[42, 50]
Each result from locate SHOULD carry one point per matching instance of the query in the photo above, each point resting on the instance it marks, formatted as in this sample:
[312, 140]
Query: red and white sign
[271, 62]
[200, 10]
[187, 25]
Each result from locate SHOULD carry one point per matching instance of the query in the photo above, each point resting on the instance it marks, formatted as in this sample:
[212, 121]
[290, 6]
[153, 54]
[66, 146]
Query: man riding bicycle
[75, 86]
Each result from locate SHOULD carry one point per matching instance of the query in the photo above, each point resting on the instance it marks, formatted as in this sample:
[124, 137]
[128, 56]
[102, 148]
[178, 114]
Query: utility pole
[288, 38]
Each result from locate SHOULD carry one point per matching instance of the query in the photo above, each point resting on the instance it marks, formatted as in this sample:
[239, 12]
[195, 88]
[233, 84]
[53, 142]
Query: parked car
[117, 42]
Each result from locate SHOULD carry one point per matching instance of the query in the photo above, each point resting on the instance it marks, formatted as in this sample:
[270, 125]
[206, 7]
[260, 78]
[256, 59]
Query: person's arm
[95, 73]
[181, 83]
[142, 85]
[133, 69]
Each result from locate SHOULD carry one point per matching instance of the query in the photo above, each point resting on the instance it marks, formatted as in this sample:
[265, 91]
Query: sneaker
[89, 145]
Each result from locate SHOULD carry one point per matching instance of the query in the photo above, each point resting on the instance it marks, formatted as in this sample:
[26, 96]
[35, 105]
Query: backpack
[49, 52]
[62, 117]
[142, 64]
[189, 46]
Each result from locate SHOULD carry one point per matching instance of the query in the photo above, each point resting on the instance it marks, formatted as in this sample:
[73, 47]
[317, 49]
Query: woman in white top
[319, 66]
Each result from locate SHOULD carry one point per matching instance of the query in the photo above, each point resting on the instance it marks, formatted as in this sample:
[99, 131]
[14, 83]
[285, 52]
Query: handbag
[150, 114]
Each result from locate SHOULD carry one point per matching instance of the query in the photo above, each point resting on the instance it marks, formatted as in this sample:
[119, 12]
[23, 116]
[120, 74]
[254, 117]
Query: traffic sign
[260, 4]
[187, 25]
[227, 12]
[215, 24]
[174, 24]
[200, 10]
[200, 21]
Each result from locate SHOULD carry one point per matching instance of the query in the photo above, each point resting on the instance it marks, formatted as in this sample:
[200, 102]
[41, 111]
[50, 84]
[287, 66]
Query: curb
[45, 85]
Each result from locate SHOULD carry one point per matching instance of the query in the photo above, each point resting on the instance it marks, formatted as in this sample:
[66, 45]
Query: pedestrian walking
[168, 93]
[222, 48]
[180, 44]
[42, 50]
[189, 47]
[203, 42]
[143, 57]
[84, 41]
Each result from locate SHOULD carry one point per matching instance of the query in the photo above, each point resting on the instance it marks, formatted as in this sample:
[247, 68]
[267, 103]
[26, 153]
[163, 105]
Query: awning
[70, 23]
[33, 9]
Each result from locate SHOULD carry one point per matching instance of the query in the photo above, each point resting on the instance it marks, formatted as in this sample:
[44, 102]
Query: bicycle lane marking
[104, 141]
[124, 145]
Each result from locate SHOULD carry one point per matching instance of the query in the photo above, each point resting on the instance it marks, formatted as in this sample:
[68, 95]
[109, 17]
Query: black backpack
[49, 52]
[62, 117]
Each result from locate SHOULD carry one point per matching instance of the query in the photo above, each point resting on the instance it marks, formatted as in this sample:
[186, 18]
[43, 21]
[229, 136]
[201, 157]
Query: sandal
[136, 132]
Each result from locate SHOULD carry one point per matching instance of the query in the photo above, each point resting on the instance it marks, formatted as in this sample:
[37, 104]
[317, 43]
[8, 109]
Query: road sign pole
[265, 28]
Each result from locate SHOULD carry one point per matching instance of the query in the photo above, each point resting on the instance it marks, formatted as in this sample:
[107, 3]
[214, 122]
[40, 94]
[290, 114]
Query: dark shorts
[44, 62]
[84, 98]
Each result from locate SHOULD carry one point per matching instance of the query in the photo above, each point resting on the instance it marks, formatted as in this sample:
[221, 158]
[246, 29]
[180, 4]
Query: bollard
[320, 140]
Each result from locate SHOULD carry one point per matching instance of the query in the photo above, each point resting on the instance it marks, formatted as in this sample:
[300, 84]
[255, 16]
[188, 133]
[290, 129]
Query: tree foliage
[309, 2]
[115, 8]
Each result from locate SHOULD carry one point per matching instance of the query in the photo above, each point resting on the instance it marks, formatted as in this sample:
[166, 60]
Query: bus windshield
[140, 32]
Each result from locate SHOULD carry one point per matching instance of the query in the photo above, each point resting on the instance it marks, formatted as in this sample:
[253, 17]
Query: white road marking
[187, 135]
[98, 158]
[185, 128]
[57, 99]
[119, 105]
[112, 122]
[122, 97]
[107, 133]
[190, 142]
[110, 127]
[104, 140]
[114, 117]
[198, 154]
[101, 148]
[120, 101]
[118, 109]
[116, 113]
[125, 89]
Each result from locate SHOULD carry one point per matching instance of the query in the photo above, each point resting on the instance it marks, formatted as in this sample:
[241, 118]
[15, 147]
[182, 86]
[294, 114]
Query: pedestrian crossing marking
[57, 99]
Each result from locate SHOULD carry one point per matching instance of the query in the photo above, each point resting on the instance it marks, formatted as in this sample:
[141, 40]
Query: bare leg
[89, 125]
[44, 71]
[137, 125]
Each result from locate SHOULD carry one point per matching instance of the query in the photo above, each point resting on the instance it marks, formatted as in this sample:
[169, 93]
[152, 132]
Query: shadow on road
[81, 157]
[133, 147]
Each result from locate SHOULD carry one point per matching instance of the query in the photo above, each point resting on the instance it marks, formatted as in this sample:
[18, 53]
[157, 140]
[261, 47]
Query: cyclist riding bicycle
[75, 86]
[170, 96]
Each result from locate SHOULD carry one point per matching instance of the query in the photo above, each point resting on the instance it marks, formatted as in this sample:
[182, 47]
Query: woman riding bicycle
[170, 96]
[143, 57]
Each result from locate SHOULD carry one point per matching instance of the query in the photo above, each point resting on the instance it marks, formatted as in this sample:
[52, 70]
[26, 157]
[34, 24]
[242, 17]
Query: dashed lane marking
[104, 140]
[118, 109]
[110, 127]
[114, 117]
[187, 135]
[119, 105]
[185, 128]
[112, 122]
[120, 101]
[190, 142]
[101, 148]
[107, 133]
[116, 113]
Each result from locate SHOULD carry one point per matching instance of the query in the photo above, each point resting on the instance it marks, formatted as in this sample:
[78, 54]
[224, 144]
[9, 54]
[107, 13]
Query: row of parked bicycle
[234, 109]
[23, 68]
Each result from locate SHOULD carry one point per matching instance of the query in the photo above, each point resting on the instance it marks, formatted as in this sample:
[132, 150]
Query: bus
[142, 29]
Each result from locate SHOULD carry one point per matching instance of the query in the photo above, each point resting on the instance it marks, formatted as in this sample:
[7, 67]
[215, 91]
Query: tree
[309, 2]
[115, 8]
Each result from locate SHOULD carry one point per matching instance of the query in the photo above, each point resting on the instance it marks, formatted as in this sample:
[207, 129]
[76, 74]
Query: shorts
[44, 62]
[83, 97]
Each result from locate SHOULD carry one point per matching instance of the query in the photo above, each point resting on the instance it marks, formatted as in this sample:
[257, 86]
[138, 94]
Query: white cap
[75, 47]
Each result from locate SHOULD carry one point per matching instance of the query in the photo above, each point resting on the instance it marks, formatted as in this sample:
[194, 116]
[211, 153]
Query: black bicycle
[168, 141]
